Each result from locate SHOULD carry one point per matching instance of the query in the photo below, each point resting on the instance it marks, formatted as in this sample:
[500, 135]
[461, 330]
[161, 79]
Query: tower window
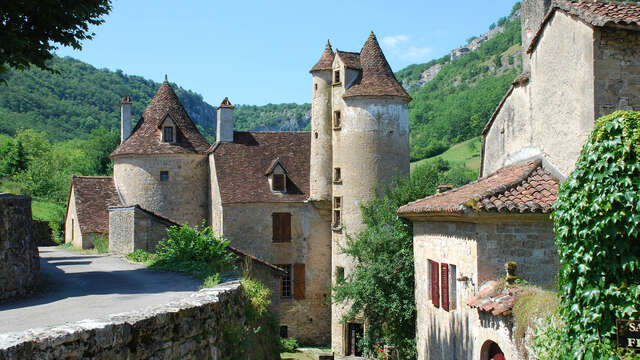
[279, 182]
[164, 176]
[315, 86]
[167, 134]
[336, 77]
[337, 176]
[316, 134]
[337, 212]
[337, 120]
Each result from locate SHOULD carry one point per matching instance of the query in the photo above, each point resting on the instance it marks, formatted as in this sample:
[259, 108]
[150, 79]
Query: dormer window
[167, 134]
[277, 176]
[336, 77]
[279, 182]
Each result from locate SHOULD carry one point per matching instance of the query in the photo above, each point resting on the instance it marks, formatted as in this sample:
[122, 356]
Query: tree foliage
[29, 29]
[381, 286]
[597, 225]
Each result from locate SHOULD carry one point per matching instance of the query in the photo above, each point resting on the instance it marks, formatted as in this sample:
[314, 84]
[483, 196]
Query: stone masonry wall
[19, 258]
[191, 328]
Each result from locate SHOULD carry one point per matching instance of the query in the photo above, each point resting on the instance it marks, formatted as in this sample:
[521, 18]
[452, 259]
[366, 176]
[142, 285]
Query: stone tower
[321, 154]
[532, 13]
[368, 130]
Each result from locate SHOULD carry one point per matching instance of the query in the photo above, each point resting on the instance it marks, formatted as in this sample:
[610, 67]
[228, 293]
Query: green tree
[29, 28]
[12, 158]
[381, 286]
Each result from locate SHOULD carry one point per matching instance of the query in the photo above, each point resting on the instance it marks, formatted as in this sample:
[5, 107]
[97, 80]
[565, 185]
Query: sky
[259, 52]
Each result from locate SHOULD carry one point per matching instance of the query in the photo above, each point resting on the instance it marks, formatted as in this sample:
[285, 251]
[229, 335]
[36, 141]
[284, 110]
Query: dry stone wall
[191, 328]
[19, 258]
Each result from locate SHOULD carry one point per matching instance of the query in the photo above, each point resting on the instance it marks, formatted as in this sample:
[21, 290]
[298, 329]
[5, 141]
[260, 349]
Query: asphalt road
[79, 287]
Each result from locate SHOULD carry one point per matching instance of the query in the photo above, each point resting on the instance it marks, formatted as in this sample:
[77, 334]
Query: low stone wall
[19, 258]
[191, 328]
[42, 233]
[132, 228]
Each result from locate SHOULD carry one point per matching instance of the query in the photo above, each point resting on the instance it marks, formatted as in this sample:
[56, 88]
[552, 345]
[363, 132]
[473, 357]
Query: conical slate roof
[377, 79]
[146, 136]
[326, 60]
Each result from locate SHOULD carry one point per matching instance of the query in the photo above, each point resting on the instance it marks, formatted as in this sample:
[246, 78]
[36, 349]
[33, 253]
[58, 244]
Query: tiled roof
[93, 196]
[496, 299]
[226, 103]
[240, 166]
[350, 59]
[326, 60]
[146, 136]
[596, 13]
[525, 187]
[376, 79]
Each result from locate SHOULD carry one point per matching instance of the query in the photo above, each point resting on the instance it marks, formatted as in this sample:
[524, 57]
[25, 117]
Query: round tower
[370, 147]
[321, 157]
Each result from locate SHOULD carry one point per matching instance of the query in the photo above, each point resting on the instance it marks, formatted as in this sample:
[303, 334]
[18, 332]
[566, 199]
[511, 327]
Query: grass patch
[466, 153]
[101, 244]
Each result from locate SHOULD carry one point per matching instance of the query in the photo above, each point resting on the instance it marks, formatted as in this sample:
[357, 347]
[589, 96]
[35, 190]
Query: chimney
[532, 13]
[125, 118]
[224, 129]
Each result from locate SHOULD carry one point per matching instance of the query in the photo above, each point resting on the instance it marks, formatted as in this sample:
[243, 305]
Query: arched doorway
[491, 351]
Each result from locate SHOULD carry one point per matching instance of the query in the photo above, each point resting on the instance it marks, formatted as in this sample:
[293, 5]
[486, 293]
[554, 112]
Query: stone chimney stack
[224, 129]
[125, 118]
[532, 13]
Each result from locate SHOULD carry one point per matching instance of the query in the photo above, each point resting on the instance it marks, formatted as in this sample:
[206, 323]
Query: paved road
[88, 286]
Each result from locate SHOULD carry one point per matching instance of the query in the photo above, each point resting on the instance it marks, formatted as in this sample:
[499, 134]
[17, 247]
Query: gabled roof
[93, 197]
[240, 166]
[595, 13]
[376, 79]
[326, 60]
[146, 136]
[350, 59]
[493, 297]
[276, 162]
[525, 187]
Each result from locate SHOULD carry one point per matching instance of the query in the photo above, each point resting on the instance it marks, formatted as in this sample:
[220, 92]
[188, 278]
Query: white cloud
[401, 47]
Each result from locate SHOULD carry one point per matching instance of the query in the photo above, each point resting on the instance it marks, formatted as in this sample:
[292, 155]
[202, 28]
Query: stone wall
[191, 328]
[19, 258]
[478, 250]
[132, 228]
[42, 233]
[72, 233]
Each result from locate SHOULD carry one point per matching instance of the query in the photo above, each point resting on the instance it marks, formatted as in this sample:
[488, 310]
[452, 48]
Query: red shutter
[298, 281]
[444, 284]
[435, 289]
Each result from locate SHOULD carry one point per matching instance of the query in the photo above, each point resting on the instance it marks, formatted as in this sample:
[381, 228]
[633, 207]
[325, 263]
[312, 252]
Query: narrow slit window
[339, 274]
[336, 76]
[315, 86]
[337, 211]
[168, 134]
[337, 175]
[164, 176]
[337, 120]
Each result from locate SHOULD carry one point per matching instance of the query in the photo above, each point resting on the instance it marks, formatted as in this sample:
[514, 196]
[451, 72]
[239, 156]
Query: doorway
[491, 351]
[354, 334]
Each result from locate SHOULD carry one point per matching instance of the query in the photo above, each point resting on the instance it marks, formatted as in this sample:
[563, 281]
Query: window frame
[279, 235]
[287, 279]
[337, 175]
[164, 175]
[337, 120]
[336, 77]
[336, 217]
[282, 179]
[164, 134]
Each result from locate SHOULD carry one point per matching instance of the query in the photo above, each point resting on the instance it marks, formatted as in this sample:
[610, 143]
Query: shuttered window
[285, 281]
[453, 296]
[444, 285]
[434, 272]
[281, 227]
[298, 281]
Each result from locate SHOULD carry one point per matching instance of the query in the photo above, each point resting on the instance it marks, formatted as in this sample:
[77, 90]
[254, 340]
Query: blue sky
[258, 52]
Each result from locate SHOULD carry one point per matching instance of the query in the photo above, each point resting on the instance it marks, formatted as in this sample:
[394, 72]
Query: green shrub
[141, 256]
[101, 244]
[187, 243]
[597, 226]
[288, 345]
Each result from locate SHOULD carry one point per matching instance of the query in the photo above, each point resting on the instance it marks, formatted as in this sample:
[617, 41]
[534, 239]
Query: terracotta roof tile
[376, 79]
[240, 166]
[495, 299]
[94, 195]
[522, 187]
[350, 59]
[146, 136]
[326, 60]
[596, 13]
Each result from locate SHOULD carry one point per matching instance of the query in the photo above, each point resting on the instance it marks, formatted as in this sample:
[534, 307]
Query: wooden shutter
[298, 281]
[276, 227]
[444, 284]
[281, 227]
[435, 289]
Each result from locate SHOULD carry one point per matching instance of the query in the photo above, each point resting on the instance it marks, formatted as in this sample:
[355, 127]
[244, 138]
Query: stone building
[285, 198]
[581, 62]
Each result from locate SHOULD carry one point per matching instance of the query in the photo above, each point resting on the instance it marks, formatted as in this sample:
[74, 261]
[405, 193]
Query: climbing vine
[597, 225]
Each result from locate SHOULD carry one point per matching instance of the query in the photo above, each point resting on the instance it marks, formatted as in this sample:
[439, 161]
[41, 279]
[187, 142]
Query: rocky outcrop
[19, 258]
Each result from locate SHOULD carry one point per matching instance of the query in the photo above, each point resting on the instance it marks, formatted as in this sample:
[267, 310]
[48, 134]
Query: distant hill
[82, 98]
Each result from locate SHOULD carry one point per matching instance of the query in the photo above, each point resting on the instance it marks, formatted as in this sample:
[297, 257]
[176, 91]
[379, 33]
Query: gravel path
[86, 286]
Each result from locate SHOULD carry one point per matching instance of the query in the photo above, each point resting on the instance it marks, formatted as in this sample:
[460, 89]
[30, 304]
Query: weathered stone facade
[478, 248]
[19, 258]
[191, 328]
[182, 197]
[72, 233]
[132, 228]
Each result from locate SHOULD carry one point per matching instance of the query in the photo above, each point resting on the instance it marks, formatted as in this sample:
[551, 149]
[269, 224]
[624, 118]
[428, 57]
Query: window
[339, 273]
[337, 211]
[315, 86]
[284, 332]
[337, 176]
[316, 134]
[164, 176]
[281, 227]
[299, 278]
[285, 281]
[279, 182]
[336, 77]
[453, 274]
[337, 120]
[167, 134]
[444, 286]
[434, 277]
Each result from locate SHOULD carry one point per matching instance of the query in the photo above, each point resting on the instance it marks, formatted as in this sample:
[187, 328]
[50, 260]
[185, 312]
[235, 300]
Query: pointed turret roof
[326, 60]
[146, 136]
[376, 79]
